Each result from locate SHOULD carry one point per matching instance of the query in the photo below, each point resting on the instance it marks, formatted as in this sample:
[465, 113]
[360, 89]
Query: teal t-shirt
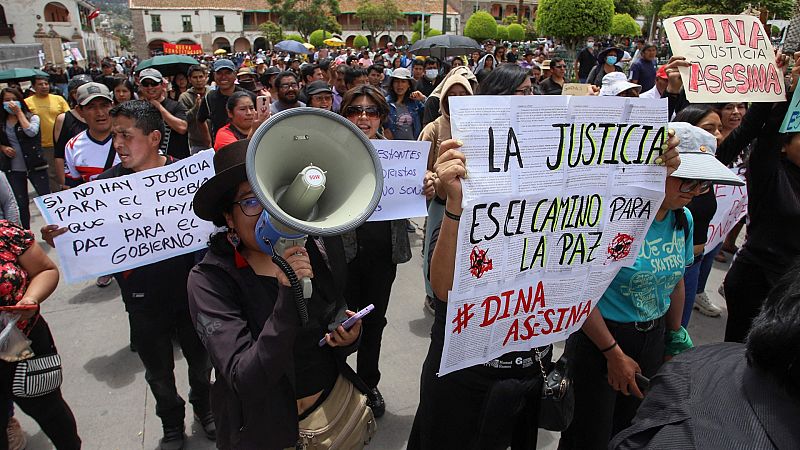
[641, 292]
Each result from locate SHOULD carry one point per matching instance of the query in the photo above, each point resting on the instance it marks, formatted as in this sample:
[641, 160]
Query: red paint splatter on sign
[479, 264]
[620, 246]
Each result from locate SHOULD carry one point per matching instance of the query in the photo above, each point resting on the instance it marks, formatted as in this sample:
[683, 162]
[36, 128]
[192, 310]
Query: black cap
[318, 87]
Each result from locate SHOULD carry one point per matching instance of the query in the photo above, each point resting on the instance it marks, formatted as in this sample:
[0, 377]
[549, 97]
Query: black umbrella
[445, 45]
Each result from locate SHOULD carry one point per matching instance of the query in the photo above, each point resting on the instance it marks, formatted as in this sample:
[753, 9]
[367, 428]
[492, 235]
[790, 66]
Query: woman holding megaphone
[278, 386]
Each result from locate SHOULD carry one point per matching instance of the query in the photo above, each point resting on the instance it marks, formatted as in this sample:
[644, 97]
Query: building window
[219, 22]
[155, 22]
[187, 23]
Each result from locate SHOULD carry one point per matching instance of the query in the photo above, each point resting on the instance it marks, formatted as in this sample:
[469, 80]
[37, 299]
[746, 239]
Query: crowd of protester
[273, 382]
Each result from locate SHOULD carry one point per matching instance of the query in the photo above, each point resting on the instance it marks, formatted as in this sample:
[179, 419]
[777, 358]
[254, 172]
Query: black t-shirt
[213, 107]
[173, 143]
[550, 87]
[69, 129]
[587, 60]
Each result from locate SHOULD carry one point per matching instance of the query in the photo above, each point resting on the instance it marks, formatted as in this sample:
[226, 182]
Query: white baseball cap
[698, 161]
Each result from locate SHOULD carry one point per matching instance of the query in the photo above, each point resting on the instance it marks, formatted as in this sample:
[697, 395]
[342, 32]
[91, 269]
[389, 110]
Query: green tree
[317, 37]
[683, 7]
[530, 31]
[630, 7]
[305, 16]
[378, 17]
[573, 20]
[508, 20]
[124, 41]
[481, 26]
[360, 41]
[272, 32]
[415, 29]
[502, 33]
[295, 37]
[624, 25]
[516, 32]
[429, 32]
[779, 9]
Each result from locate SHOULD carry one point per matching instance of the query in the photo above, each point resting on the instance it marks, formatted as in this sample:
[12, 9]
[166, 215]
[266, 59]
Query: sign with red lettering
[560, 194]
[731, 59]
[182, 49]
[731, 208]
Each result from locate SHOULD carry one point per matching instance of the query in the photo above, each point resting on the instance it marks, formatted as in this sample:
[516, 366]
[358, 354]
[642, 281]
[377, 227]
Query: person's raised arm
[450, 168]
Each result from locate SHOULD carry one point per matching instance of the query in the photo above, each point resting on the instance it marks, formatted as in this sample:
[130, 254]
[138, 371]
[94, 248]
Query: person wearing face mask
[606, 63]
[247, 79]
[585, 61]
[431, 78]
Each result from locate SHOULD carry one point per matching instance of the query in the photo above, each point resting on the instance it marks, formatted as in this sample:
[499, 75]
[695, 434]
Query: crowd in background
[110, 120]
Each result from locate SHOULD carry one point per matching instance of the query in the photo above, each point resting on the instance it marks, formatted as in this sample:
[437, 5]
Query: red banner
[182, 49]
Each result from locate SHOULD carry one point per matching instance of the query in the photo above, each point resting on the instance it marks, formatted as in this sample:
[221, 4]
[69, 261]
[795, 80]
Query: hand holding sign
[450, 168]
[730, 55]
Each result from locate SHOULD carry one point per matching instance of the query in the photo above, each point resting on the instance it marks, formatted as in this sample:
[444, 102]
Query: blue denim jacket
[415, 108]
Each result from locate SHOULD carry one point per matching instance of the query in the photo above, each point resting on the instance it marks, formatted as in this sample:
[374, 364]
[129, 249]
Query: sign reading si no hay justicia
[121, 223]
[731, 58]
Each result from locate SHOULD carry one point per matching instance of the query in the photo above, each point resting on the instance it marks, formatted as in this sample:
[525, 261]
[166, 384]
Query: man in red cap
[660, 87]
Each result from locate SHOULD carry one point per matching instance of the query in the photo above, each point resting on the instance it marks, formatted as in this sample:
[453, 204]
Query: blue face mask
[8, 109]
[611, 59]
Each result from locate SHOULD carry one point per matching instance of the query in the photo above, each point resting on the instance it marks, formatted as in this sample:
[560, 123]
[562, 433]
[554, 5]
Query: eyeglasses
[356, 111]
[289, 86]
[322, 97]
[250, 206]
[149, 83]
[688, 186]
[527, 91]
[561, 66]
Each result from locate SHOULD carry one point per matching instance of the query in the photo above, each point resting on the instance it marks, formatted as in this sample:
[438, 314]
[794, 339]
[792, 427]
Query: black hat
[318, 87]
[272, 70]
[229, 168]
[602, 55]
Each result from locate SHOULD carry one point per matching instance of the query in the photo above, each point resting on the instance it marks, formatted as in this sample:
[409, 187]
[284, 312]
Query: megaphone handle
[281, 246]
[307, 287]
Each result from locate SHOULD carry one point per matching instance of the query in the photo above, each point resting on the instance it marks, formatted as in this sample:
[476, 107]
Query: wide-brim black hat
[602, 55]
[229, 168]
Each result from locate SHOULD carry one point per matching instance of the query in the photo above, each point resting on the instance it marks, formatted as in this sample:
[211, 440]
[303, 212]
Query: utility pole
[444, 16]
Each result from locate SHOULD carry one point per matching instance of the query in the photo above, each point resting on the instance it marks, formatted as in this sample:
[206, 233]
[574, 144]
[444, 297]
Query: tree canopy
[624, 25]
[360, 41]
[574, 20]
[272, 32]
[295, 37]
[780, 9]
[631, 7]
[516, 32]
[502, 33]
[378, 16]
[305, 16]
[317, 38]
[481, 26]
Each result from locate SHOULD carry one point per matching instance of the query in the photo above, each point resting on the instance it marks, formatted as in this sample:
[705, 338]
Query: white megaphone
[315, 173]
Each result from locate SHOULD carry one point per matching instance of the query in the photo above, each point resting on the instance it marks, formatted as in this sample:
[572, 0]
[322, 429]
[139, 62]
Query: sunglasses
[356, 111]
[688, 186]
[149, 83]
[560, 67]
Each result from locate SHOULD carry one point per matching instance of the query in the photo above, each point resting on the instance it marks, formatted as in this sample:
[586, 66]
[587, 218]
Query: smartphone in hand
[262, 105]
[347, 324]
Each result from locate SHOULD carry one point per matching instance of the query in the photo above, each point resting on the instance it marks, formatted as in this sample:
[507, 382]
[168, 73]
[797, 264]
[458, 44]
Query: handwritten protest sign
[404, 164]
[791, 121]
[560, 194]
[731, 208]
[731, 58]
[126, 222]
[575, 89]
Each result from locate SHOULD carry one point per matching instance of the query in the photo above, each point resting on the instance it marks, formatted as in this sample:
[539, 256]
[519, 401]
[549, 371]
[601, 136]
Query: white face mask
[590, 44]
[431, 74]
